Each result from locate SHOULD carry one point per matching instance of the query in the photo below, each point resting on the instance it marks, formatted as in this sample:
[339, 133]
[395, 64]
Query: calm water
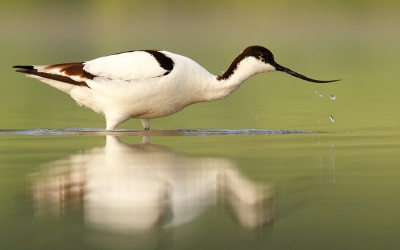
[279, 164]
[171, 191]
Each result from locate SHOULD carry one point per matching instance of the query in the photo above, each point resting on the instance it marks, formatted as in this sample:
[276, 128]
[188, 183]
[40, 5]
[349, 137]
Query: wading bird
[148, 84]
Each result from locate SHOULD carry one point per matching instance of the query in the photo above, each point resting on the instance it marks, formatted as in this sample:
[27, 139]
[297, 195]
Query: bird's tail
[71, 73]
[27, 69]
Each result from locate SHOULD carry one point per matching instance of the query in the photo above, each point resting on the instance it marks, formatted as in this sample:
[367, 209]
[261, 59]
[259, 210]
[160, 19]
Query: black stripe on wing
[163, 60]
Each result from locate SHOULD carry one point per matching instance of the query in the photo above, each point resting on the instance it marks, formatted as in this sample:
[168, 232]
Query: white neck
[223, 86]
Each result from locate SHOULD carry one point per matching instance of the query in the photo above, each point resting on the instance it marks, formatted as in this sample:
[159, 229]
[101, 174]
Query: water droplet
[333, 97]
[321, 95]
[331, 117]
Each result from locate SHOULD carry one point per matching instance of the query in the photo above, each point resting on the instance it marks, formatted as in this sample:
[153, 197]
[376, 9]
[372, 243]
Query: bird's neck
[238, 72]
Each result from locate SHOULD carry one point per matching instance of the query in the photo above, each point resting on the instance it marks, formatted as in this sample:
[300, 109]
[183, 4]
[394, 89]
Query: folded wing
[126, 66]
[131, 65]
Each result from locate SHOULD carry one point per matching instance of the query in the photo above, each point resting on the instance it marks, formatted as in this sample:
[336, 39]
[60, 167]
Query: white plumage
[150, 84]
[125, 66]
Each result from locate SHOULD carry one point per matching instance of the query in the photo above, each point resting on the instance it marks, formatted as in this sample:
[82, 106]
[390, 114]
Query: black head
[261, 53]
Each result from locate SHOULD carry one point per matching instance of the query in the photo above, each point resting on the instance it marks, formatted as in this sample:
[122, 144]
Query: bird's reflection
[130, 188]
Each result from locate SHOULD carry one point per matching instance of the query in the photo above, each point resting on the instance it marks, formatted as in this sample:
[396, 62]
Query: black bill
[295, 74]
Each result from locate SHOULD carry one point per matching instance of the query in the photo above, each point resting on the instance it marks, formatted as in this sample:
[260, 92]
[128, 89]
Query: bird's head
[268, 64]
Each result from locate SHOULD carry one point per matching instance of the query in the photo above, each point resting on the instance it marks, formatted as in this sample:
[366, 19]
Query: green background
[357, 41]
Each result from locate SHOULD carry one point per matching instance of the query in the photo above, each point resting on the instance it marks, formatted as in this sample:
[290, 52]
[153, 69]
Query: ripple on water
[175, 132]
[34, 132]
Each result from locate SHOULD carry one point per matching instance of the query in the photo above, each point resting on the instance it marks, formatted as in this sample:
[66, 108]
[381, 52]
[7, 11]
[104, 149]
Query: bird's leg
[145, 123]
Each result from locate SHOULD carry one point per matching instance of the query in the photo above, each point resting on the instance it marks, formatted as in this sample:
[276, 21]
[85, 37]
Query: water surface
[302, 191]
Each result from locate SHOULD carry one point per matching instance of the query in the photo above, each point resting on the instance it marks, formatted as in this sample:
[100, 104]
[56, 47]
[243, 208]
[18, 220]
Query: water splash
[320, 95]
